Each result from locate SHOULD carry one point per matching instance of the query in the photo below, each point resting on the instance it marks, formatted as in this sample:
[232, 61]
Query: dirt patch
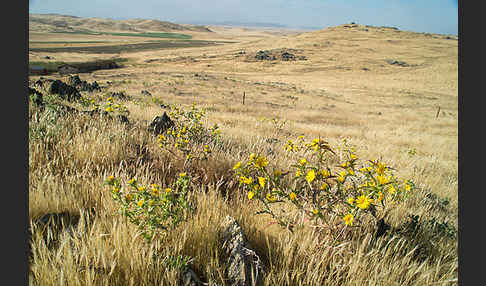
[86, 67]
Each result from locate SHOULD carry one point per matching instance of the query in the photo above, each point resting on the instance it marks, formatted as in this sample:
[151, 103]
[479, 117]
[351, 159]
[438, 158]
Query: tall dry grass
[71, 155]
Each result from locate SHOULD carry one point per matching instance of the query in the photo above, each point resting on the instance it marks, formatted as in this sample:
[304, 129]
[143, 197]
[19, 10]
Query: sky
[428, 16]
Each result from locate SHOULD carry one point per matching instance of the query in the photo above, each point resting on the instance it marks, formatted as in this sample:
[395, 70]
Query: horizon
[433, 16]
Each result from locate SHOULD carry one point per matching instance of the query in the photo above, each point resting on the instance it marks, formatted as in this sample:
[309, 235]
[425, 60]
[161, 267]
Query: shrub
[332, 196]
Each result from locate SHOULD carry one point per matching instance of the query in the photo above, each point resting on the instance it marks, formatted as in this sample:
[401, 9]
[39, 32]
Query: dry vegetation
[345, 89]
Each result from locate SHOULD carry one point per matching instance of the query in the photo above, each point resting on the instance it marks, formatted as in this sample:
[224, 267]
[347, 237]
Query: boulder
[264, 55]
[286, 56]
[160, 124]
[36, 97]
[146, 92]
[120, 95]
[82, 84]
[64, 90]
[244, 266]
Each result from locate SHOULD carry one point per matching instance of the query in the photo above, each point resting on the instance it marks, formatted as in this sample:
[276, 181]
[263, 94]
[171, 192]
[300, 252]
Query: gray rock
[36, 97]
[190, 278]
[160, 124]
[146, 92]
[64, 90]
[244, 267]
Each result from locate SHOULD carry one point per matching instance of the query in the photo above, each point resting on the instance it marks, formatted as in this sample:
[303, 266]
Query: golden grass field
[345, 89]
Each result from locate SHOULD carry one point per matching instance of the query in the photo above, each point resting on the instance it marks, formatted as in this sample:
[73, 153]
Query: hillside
[336, 151]
[65, 23]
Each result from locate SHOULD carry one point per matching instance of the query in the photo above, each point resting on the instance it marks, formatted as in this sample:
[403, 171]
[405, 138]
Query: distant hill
[66, 23]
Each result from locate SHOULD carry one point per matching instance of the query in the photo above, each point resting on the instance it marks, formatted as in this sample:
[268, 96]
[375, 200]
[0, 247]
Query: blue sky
[431, 16]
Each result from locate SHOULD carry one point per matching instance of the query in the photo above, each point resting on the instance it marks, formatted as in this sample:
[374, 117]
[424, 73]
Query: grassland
[144, 35]
[346, 89]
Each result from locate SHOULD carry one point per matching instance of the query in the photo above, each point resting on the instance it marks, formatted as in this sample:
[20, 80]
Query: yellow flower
[128, 197]
[351, 201]
[353, 157]
[151, 202]
[237, 166]
[248, 180]
[116, 190]
[252, 157]
[325, 173]
[341, 176]
[168, 190]
[261, 181]
[141, 188]
[270, 198]
[251, 195]
[392, 190]
[292, 196]
[298, 173]
[348, 219]
[380, 169]
[380, 196]
[303, 162]
[155, 191]
[363, 202]
[109, 109]
[324, 186]
[350, 171]
[132, 181]
[140, 203]
[182, 175]
[315, 211]
[111, 178]
[382, 179]
[260, 162]
[407, 186]
[311, 175]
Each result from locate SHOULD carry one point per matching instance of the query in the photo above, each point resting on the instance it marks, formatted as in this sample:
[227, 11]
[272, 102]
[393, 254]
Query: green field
[145, 35]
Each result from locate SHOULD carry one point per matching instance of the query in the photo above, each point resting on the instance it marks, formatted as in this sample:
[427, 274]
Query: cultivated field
[390, 94]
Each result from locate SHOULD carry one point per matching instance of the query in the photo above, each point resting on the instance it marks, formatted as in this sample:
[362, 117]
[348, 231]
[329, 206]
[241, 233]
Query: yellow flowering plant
[111, 107]
[319, 187]
[153, 209]
[189, 134]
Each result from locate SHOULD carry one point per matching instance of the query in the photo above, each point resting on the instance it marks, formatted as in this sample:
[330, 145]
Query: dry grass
[387, 112]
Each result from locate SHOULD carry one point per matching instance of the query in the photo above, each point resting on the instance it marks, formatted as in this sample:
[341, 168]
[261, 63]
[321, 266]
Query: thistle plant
[319, 189]
[153, 209]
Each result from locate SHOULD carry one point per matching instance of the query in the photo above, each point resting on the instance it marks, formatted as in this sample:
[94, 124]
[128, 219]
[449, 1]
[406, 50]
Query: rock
[123, 119]
[38, 83]
[119, 95]
[286, 56]
[82, 84]
[36, 96]
[146, 92]
[382, 228]
[64, 90]
[244, 264]
[74, 80]
[190, 278]
[160, 124]
[398, 63]
[264, 55]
